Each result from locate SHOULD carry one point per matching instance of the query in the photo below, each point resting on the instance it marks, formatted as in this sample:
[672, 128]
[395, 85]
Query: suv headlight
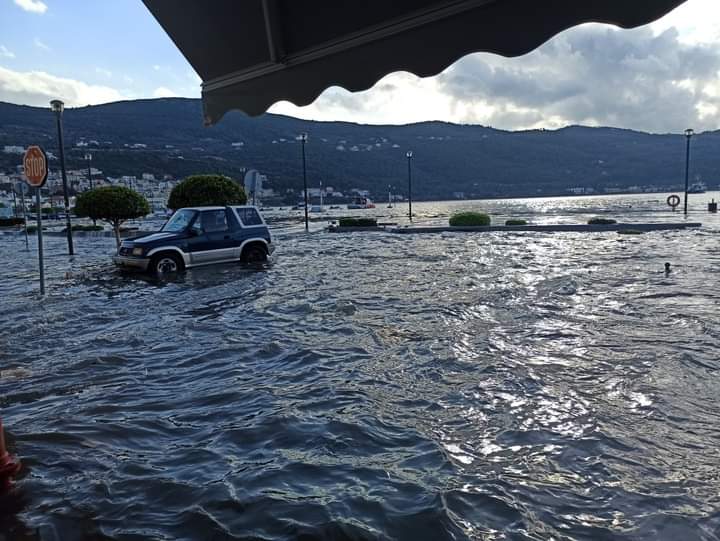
[137, 250]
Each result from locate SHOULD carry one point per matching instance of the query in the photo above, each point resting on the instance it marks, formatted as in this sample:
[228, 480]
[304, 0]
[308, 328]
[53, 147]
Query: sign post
[36, 172]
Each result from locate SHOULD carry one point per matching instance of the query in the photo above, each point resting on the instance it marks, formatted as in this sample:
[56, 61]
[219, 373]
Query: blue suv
[199, 236]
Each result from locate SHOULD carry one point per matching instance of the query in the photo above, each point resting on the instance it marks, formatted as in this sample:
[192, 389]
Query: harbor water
[373, 386]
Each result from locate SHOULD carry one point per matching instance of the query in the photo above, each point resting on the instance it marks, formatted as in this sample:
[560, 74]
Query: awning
[253, 53]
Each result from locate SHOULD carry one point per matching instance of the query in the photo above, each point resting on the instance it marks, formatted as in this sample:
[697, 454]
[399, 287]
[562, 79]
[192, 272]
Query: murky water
[455, 386]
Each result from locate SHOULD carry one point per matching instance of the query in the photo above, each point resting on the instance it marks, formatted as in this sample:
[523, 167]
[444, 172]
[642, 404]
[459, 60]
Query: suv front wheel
[165, 263]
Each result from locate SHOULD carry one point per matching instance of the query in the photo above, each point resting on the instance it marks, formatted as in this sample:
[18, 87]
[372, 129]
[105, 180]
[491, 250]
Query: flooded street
[372, 386]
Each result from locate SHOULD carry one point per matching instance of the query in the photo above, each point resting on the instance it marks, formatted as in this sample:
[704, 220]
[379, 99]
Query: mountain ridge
[448, 159]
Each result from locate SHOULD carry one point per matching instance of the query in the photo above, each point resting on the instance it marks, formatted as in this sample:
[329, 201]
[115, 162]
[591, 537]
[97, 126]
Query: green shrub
[469, 219]
[601, 221]
[357, 222]
[206, 190]
[515, 222]
[6, 222]
[32, 229]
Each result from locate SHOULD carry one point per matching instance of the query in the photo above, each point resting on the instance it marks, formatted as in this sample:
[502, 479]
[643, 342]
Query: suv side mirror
[193, 232]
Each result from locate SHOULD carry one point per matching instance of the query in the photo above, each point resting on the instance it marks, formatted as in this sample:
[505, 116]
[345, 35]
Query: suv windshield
[179, 221]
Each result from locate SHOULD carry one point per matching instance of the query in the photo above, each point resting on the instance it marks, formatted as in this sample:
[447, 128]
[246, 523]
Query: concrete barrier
[338, 229]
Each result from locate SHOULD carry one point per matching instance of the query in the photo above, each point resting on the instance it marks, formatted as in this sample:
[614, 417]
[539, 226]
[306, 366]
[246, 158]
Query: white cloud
[164, 92]
[398, 98]
[156, 67]
[33, 6]
[38, 88]
[40, 45]
[644, 79]
[5, 53]
[697, 21]
[104, 72]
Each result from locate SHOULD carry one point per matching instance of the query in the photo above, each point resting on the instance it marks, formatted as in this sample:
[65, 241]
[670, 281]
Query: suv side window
[214, 221]
[249, 216]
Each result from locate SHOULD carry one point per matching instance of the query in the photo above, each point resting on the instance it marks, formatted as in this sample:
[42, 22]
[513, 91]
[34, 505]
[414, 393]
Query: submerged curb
[559, 228]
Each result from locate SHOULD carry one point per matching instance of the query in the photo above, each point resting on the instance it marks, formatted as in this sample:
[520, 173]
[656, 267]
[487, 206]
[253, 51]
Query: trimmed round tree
[112, 204]
[206, 190]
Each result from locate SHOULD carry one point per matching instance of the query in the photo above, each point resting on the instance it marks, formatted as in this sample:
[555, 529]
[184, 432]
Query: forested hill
[447, 158]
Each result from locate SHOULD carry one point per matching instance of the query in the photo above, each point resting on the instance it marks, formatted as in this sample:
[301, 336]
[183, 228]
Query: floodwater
[372, 386]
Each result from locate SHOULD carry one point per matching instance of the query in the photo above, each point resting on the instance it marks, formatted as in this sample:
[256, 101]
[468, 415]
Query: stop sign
[35, 164]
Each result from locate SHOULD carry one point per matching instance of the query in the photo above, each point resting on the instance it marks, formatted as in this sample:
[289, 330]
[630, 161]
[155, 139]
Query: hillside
[448, 158]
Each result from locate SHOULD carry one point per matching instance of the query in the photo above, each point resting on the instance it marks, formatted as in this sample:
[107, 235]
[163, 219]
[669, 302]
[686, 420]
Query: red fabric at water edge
[9, 467]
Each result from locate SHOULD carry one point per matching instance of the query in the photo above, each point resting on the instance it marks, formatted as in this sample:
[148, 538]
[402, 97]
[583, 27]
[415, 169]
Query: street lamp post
[15, 208]
[688, 135]
[409, 159]
[88, 159]
[24, 215]
[57, 107]
[303, 140]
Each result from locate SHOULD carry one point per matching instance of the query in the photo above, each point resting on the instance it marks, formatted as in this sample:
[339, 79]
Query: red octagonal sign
[35, 164]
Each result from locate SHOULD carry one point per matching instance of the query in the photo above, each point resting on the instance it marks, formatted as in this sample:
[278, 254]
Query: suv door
[213, 240]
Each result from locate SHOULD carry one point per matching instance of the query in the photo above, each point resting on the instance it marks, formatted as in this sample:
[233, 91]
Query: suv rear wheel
[255, 253]
[165, 263]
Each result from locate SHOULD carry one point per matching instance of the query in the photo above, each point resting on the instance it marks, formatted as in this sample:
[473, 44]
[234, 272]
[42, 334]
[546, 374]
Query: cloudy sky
[660, 78]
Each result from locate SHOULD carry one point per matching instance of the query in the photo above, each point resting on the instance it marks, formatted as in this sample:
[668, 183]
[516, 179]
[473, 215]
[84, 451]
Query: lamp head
[88, 156]
[409, 154]
[302, 137]
[57, 106]
[689, 132]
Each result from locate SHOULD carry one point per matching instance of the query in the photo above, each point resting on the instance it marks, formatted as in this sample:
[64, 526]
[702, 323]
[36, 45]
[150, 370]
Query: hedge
[357, 222]
[6, 222]
[78, 227]
[469, 219]
[601, 221]
[515, 222]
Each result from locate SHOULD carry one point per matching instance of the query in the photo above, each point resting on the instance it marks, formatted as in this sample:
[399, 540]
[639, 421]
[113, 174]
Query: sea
[373, 386]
